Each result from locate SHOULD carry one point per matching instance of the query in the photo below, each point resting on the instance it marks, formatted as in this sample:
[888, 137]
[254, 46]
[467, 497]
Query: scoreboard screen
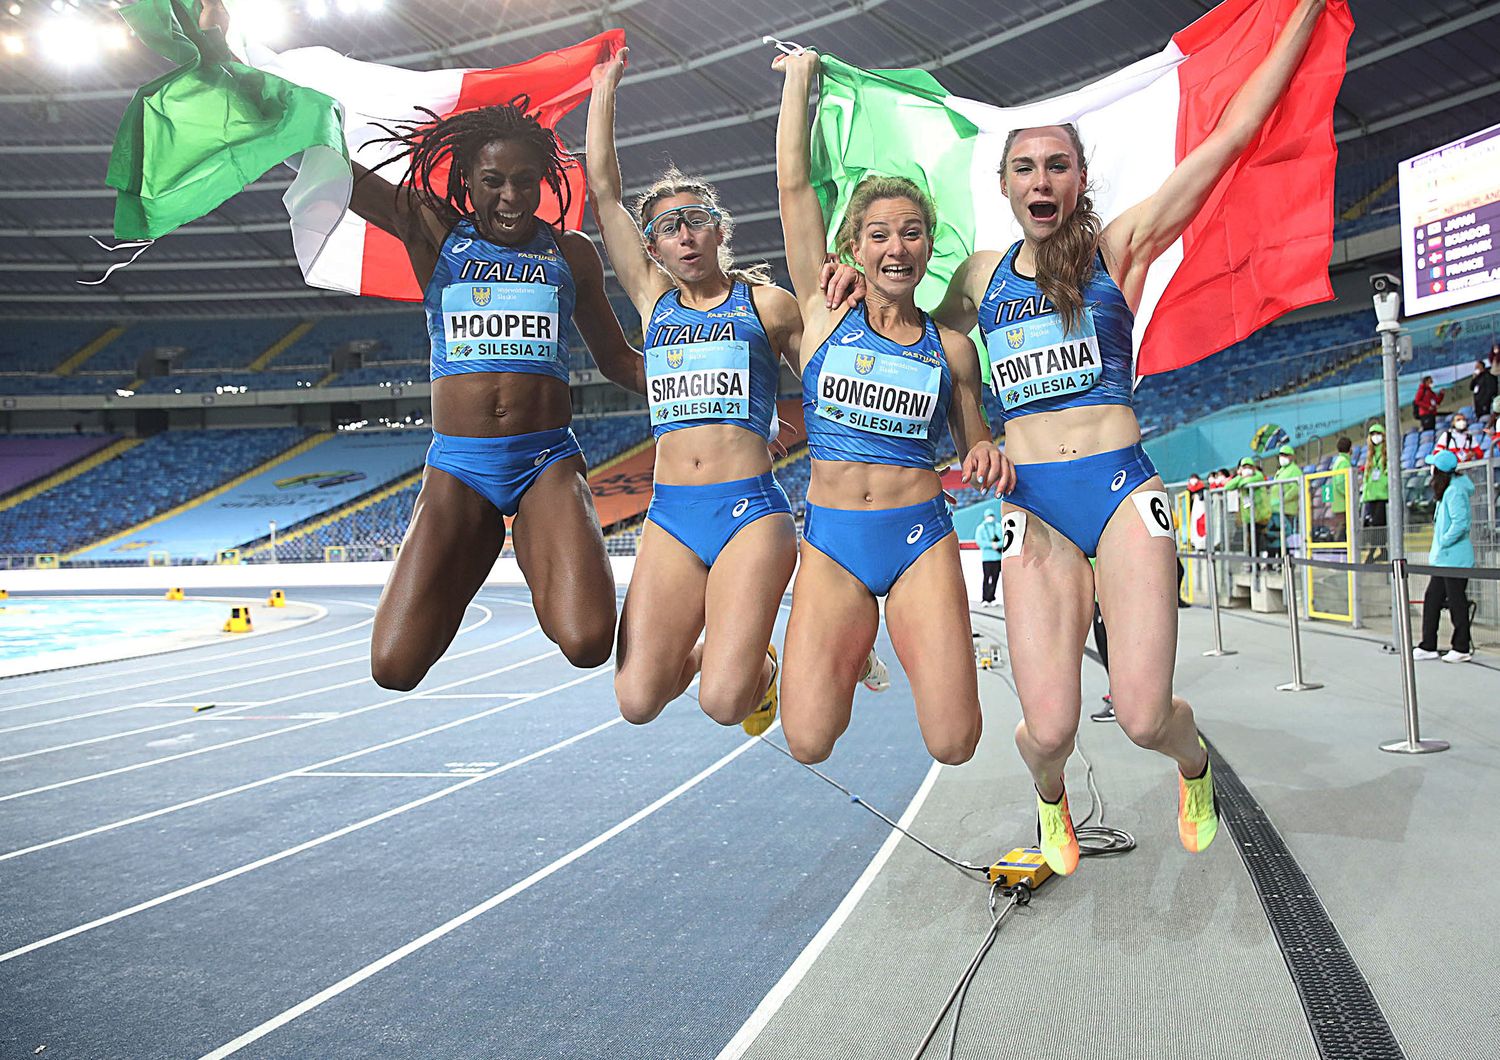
[1450, 223]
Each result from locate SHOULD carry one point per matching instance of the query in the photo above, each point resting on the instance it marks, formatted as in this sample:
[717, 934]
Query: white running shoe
[876, 677]
[1422, 653]
[1457, 656]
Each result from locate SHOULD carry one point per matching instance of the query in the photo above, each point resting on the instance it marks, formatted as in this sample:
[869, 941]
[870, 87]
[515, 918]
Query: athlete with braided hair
[507, 296]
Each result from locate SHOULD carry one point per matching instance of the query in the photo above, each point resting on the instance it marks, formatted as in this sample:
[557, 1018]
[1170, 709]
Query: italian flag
[1258, 249]
[337, 249]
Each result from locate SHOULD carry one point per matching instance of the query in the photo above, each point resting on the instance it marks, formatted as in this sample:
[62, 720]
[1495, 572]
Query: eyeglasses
[667, 222]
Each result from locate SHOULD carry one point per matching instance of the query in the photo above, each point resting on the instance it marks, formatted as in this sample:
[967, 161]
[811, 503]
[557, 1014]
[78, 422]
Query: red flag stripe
[1261, 244]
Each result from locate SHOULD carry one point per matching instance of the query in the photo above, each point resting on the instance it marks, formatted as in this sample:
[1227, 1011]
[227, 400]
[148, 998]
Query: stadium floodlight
[15, 44]
[316, 8]
[348, 7]
[262, 21]
[66, 43]
[14, 9]
[115, 38]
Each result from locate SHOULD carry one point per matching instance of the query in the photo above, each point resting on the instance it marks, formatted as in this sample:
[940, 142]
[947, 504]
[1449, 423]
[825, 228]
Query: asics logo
[540, 457]
[661, 316]
[853, 336]
[739, 509]
[1119, 480]
[916, 532]
[462, 245]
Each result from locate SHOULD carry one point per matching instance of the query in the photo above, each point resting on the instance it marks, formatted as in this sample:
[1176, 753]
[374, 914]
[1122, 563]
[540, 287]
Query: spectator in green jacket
[1374, 492]
[1285, 500]
[1255, 505]
[1336, 489]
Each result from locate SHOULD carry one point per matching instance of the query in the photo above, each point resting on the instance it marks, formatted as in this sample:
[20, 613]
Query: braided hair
[458, 139]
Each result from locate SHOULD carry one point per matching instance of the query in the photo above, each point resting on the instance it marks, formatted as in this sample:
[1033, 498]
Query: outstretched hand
[608, 73]
[986, 466]
[213, 15]
[843, 285]
[805, 61]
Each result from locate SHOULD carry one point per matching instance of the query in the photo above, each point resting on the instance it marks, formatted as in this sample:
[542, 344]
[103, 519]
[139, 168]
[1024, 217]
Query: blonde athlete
[1084, 487]
[878, 382]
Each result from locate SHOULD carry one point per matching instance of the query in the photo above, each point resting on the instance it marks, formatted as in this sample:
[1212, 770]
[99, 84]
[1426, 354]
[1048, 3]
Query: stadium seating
[166, 470]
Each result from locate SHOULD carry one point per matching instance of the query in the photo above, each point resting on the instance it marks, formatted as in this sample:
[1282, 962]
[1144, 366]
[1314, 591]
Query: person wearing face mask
[1486, 388]
[1254, 505]
[988, 539]
[1457, 439]
[1286, 502]
[878, 383]
[1374, 493]
[1336, 489]
[1451, 547]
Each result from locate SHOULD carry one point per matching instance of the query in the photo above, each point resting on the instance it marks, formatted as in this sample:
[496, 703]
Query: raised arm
[643, 280]
[373, 198]
[801, 216]
[1138, 236]
[983, 463]
[959, 308]
[621, 363]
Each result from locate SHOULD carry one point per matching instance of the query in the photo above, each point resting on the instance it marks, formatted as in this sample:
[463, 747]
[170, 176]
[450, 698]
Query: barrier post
[1413, 744]
[1218, 649]
[1289, 597]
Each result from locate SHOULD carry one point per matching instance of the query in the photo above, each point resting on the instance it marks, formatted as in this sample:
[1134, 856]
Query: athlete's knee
[1145, 721]
[809, 748]
[725, 701]
[1051, 735]
[587, 646]
[391, 671]
[637, 704]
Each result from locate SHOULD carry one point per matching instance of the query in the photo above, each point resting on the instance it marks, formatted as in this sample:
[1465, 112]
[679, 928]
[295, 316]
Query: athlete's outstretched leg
[655, 659]
[927, 616]
[1137, 585]
[745, 589]
[561, 554]
[450, 547]
[828, 637]
[1049, 604]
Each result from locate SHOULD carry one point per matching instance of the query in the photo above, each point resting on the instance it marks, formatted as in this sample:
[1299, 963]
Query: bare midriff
[713, 452]
[499, 404]
[1047, 437]
[855, 486]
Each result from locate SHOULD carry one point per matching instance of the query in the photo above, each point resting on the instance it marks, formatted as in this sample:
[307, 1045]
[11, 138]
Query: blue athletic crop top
[497, 308]
[710, 365]
[870, 399]
[1034, 365]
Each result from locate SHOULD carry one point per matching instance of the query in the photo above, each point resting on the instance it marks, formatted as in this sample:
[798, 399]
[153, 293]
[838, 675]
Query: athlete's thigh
[927, 617]
[450, 546]
[831, 629]
[745, 589]
[1048, 593]
[663, 613]
[1137, 585]
[560, 550]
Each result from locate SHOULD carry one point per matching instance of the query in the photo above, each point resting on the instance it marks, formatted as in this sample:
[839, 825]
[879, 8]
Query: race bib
[1152, 506]
[698, 380]
[500, 322]
[878, 393]
[1013, 534]
[1036, 359]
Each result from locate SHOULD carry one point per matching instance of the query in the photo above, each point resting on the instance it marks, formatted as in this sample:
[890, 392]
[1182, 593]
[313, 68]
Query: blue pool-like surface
[35, 628]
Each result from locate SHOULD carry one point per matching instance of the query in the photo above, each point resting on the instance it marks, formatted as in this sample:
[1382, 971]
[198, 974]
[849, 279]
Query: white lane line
[449, 775]
[248, 786]
[199, 697]
[292, 728]
[190, 673]
[374, 967]
[464, 695]
[129, 706]
[778, 994]
[327, 837]
[279, 660]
